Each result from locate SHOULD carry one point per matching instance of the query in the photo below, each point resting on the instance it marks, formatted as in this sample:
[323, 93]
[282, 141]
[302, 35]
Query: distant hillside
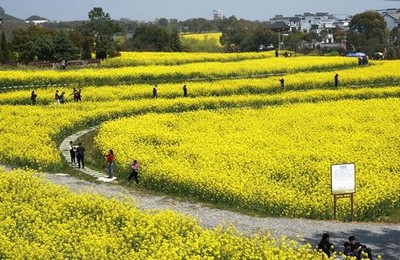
[10, 23]
[7, 17]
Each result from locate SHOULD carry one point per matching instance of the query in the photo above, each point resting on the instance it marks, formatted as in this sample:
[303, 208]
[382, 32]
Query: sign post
[343, 185]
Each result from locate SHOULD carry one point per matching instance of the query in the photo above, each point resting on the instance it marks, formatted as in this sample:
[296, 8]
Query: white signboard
[343, 178]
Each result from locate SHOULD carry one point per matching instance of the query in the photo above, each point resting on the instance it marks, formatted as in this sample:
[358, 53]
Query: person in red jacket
[110, 163]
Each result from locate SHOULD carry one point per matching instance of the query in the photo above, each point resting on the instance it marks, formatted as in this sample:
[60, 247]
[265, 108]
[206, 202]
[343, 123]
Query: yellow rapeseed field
[238, 139]
[274, 160]
[31, 133]
[39, 220]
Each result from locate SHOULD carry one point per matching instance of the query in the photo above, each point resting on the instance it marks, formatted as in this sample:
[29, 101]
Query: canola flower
[174, 58]
[201, 36]
[31, 133]
[377, 76]
[200, 70]
[39, 220]
[274, 160]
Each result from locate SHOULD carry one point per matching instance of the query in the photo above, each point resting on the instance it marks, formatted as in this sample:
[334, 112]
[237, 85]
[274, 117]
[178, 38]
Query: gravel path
[382, 238]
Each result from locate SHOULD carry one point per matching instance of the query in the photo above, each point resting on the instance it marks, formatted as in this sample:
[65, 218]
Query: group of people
[110, 158]
[59, 98]
[155, 91]
[351, 248]
[77, 154]
[77, 157]
[363, 60]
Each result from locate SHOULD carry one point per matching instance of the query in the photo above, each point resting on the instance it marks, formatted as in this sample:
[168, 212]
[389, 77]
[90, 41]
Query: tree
[150, 37]
[102, 29]
[5, 52]
[86, 50]
[367, 32]
[294, 40]
[34, 43]
[64, 48]
[243, 35]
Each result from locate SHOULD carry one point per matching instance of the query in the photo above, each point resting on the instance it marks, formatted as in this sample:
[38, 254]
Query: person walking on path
[336, 80]
[72, 152]
[184, 90]
[155, 91]
[110, 163]
[33, 97]
[80, 151]
[135, 172]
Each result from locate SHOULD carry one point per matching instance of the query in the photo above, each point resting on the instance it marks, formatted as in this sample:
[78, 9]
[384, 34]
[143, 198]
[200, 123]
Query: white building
[392, 18]
[218, 15]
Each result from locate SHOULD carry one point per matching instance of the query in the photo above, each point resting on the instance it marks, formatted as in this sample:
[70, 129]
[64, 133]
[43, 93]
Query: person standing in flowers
[61, 98]
[110, 163]
[33, 98]
[78, 96]
[155, 91]
[135, 172]
[74, 94]
[336, 78]
[282, 81]
[57, 97]
[184, 90]
[80, 155]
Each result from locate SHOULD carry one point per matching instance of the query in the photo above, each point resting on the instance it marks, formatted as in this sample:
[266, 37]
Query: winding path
[383, 238]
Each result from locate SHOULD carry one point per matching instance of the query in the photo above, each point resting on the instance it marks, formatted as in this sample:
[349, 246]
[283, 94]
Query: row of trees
[105, 37]
[99, 35]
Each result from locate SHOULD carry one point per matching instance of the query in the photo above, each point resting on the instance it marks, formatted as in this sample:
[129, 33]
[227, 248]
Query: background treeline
[101, 37]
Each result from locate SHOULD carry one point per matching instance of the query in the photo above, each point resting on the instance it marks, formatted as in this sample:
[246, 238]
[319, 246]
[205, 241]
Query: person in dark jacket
[359, 248]
[80, 150]
[336, 79]
[326, 246]
[184, 91]
[155, 94]
[33, 98]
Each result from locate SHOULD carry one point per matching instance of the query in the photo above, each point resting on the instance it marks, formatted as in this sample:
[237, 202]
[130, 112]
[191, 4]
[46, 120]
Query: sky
[149, 10]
